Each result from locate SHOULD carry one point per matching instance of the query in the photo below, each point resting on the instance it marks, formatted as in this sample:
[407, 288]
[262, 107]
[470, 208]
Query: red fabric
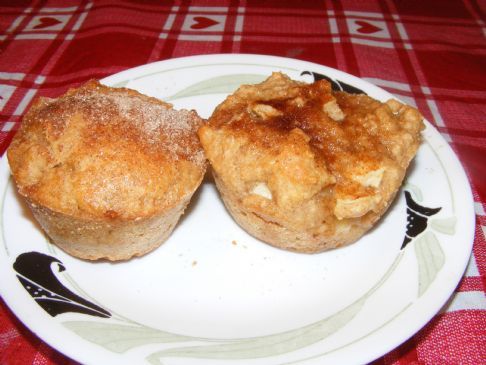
[434, 50]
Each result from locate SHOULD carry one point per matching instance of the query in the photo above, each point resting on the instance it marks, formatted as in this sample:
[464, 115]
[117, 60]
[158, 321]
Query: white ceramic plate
[214, 295]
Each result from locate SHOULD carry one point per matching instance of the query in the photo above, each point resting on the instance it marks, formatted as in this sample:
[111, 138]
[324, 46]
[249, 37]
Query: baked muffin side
[304, 168]
[103, 169]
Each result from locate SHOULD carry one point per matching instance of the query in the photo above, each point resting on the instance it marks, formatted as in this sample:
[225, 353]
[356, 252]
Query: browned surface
[106, 152]
[329, 163]
[103, 157]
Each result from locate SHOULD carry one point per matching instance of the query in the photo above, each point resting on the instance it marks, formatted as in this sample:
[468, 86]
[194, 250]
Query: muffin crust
[104, 161]
[305, 168]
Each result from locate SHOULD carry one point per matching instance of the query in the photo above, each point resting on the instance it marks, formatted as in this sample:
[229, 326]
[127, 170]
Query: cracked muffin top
[102, 152]
[307, 158]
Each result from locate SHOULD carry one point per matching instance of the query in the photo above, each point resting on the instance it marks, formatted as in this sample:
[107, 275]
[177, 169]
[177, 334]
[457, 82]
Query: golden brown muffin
[304, 168]
[107, 171]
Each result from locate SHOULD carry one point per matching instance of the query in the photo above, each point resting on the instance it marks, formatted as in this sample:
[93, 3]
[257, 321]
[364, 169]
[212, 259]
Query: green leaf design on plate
[266, 345]
[279, 343]
[123, 83]
[119, 337]
[122, 337]
[218, 85]
[430, 258]
[415, 190]
[445, 225]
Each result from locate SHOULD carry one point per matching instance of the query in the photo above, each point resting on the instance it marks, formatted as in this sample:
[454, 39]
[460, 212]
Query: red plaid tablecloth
[429, 53]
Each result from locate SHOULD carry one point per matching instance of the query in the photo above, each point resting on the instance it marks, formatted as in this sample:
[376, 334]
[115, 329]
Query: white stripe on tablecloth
[7, 127]
[479, 209]
[467, 300]
[25, 101]
[59, 10]
[82, 17]
[208, 9]
[435, 113]
[171, 18]
[371, 43]
[333, 27]
[472, 267]
[401, 30]
[201, 37]
[239, 20]
[387, 83]
[36, 36]
[363, 14]
[17, 21]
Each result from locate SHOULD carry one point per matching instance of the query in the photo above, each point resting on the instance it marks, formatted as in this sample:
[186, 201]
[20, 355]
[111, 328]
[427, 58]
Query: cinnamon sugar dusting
[305, 168]
[152, 120]
[107, 154]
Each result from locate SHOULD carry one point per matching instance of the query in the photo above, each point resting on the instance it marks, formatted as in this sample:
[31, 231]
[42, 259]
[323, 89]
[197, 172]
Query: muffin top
[282, 143]
[99, 152]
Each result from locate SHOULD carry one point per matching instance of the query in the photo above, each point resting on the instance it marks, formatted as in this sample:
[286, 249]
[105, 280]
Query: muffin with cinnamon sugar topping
[107, 172]
[304, 168]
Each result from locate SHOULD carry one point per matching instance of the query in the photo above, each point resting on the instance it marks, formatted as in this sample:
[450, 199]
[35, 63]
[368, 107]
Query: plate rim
[434, 134]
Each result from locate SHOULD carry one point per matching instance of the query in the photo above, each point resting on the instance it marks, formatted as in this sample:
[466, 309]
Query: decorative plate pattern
[213, 292]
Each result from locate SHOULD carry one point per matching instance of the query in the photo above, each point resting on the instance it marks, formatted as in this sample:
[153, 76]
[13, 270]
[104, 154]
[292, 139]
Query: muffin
[305, 168]
[107, 172]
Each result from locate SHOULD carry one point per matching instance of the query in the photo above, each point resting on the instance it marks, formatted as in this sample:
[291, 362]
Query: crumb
[234, 242]
[194, 263]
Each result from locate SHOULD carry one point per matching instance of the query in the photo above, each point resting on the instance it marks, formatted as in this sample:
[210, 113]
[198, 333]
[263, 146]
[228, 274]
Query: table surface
[428, 53]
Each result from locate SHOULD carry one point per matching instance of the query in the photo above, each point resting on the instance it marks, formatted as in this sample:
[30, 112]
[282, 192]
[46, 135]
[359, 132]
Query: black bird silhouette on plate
[34, 271]
[335, 84]
[417, 218]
